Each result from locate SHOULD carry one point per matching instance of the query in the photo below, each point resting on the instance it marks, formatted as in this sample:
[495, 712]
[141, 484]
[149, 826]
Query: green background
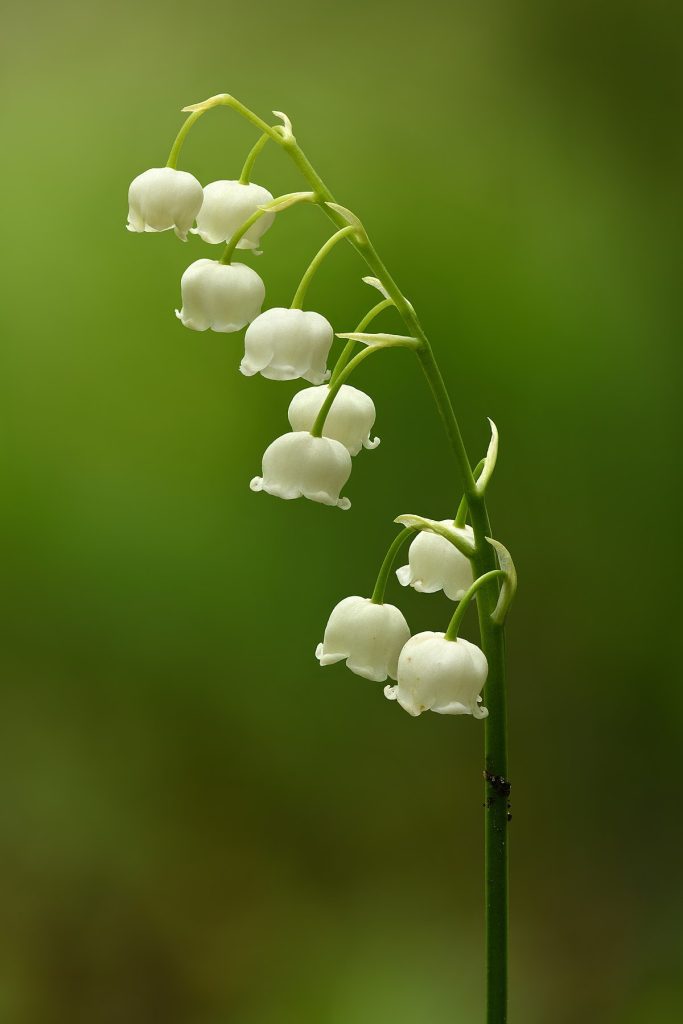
[199, 825]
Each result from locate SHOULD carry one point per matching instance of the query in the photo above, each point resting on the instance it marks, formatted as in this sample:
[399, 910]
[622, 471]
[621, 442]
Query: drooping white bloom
[436, 674]
[368, 636]
[163, 198]
[223, 297]
[226, 206]
[283, 344]
[298, 465]
[350, 419]
[436, 564]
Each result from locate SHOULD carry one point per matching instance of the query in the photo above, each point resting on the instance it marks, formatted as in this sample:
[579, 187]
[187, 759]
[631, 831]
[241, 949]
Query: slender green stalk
[293, 197]
[459, 613]
[387, 564]
[497, 786]
[225, 100]
[371, 314]
[318, 259]
[347, 351]
[319, 424]
[181, 136]
[245, 176]
[231, 245]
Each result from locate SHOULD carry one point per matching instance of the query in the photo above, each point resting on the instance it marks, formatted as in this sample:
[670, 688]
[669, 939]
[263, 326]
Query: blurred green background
[198, 825]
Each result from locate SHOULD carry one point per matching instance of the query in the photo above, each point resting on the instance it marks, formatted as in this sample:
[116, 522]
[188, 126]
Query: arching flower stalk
[350, 419]
[331, 424]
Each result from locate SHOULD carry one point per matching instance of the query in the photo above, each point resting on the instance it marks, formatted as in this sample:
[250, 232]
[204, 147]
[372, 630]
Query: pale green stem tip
[458, 615]
[387, 565]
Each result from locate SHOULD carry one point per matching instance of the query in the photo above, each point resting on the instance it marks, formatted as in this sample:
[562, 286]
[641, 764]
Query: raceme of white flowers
[162, 198]
[431, 672]
[221, 296]
[227, 205]
[350, 419]
[436, 674]
[436, 564]
[368, 636]
[298, 465]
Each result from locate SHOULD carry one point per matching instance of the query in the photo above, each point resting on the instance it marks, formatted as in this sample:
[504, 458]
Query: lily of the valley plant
[331, 422]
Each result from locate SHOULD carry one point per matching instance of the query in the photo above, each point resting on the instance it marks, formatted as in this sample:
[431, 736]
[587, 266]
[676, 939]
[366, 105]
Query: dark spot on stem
[498, 783]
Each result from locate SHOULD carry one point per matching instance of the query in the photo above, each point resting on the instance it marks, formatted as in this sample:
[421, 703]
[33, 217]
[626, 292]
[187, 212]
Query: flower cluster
[280, 344]
[330, 421]
[433, 671]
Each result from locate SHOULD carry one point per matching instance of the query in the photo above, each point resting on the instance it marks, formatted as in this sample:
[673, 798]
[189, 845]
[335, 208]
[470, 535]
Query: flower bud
[163, 198]
[283, 344]
[350, 419]
[223, 297]
[369, 636]
[226, 206]
[435, 674]
[298, 465]
[436, 564]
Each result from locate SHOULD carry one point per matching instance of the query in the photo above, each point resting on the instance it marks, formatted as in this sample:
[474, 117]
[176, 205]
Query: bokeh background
[198, 825]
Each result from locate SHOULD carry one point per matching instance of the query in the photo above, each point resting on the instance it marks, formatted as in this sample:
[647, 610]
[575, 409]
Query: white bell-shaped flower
[436, 674]
[163, 198]
[283, 344]
[368, 636]
[436, 564]
[226, 206]
[223, 297]
[298, 465]
[350, 419]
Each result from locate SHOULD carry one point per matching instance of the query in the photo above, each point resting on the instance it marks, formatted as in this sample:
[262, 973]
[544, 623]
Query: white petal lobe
[162, 199]
[436, 564]
[440, 675]
[220, 297]
[285, 344]
[227, 205]
[298, 465]
[368, 636]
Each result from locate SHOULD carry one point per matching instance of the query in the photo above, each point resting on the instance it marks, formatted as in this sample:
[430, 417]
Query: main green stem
[497, 786]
